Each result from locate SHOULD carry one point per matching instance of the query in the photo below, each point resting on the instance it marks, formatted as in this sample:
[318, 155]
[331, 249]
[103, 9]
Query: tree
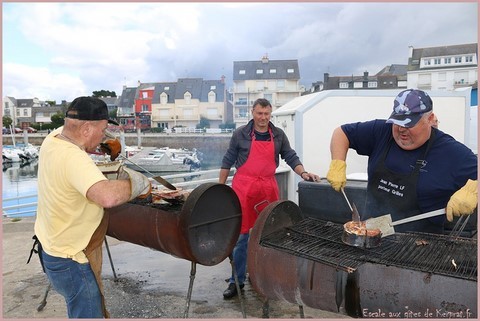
[104, 93]
[7, 121]
[51, 102]
[113, 114]
[57, 120]
[204, 123]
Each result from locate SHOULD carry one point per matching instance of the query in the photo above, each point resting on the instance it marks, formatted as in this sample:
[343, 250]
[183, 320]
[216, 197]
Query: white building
[275, 80]
[443, 68]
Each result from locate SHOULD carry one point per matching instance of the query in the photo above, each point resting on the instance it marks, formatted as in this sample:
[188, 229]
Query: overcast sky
[58, 51]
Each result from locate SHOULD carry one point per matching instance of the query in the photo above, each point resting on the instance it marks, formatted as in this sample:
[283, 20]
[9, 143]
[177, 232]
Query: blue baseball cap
[409, 106]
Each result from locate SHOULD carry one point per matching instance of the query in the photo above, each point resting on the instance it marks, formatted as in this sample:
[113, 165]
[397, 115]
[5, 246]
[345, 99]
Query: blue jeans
[240, 258]
[77, 284]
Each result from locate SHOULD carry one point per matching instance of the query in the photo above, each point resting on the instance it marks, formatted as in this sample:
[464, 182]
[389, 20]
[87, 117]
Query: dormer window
[290, 71]
[211, 97]
[188, 97]
[273, 71]
[241, 72]
[163, 98]
[259, 71]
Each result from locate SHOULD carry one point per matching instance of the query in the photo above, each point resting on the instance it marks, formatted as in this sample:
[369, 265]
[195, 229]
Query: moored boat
[167, 160]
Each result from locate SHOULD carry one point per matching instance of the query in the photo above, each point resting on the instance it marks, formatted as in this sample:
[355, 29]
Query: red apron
[255, 182]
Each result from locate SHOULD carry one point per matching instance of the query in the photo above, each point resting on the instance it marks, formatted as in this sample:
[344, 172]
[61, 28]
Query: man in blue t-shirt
[412, 167]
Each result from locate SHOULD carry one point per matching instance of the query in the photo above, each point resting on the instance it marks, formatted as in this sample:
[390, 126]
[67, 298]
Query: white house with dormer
[443, 68]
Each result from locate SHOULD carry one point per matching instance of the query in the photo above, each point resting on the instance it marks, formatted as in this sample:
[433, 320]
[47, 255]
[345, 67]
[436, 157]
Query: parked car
[31, 130]
[18, 130]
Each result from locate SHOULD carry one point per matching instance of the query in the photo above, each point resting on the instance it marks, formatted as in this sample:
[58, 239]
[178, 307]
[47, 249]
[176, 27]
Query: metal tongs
[353, 208]
[458, 229]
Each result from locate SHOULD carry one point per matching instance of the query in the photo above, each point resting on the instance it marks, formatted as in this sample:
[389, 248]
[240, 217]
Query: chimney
[325, 77]
[265, 59]
[410, 51]
[365, 74]
[222, 79]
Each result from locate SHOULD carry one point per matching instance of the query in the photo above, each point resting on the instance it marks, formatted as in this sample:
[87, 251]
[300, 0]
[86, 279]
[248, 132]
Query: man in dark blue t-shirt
[412, 167]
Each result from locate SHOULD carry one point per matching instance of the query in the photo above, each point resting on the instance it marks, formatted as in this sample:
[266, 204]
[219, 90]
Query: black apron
[396, 194]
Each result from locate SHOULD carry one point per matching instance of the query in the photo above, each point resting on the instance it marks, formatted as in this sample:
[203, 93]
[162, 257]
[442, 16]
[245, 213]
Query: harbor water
[19, 189]
[19, 186]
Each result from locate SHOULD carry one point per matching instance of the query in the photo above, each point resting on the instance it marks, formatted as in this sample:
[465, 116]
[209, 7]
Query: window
[259, 85]
[166, 88]
[188, 97]
[242, 101]
[144, 107]
[144, 94]
[358, 84]
[343, 84]
[426, 62]
[242, 112]
[458, 60]
[259, 71]
[424, 79]
[211, 97]
[437, 61]
[468, 58]
[290, 71]
[448, 60]
[241, 72]
[372, 84]
[272, 84]
[7, 112]
[163, 98]
[213, 87]
[240, 86]
[273, 71]
[212, 112]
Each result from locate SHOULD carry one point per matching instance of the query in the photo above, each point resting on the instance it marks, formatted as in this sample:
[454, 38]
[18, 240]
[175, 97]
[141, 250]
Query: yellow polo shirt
[66, 219]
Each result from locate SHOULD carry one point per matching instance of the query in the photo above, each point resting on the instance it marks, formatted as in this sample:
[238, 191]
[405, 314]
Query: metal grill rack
[320, 241]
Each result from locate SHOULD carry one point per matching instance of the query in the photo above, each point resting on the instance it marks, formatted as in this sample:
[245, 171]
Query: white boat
[167, 160]
[12, 154]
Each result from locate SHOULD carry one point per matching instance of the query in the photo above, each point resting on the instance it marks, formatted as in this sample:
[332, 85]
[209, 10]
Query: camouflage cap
[409, 106]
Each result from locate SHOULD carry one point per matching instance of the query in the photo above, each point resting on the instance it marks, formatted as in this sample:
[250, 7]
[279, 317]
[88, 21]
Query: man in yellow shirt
[72, 194]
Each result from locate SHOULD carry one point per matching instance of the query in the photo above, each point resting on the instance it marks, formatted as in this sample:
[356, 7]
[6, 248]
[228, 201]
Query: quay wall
[213, 146]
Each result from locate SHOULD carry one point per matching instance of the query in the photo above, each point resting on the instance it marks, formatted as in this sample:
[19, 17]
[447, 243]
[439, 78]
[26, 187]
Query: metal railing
[188, 180]
[12, 210]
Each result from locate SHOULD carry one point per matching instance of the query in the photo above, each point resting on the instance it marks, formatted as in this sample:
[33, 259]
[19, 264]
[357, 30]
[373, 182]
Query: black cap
[88, 108]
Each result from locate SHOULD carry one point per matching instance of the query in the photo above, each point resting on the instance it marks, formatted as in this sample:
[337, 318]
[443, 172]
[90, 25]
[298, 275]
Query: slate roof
[454, 50]
[22, 103]
[393, 70]
[281, 67]
[127, 98]
[160, 88]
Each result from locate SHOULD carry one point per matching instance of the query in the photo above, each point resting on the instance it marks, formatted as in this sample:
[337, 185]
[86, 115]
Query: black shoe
[231, 291]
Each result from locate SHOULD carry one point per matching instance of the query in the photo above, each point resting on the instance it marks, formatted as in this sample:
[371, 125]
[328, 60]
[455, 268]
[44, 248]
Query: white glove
[140, 185]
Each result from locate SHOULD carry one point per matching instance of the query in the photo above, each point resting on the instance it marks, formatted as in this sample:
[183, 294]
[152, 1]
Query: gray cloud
[104, 46]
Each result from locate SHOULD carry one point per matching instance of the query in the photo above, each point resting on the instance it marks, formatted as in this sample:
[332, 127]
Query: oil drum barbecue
[203, 228]
[408, 275]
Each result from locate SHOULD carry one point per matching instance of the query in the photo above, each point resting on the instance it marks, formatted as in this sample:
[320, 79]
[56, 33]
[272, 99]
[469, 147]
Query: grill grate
[321, 241]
